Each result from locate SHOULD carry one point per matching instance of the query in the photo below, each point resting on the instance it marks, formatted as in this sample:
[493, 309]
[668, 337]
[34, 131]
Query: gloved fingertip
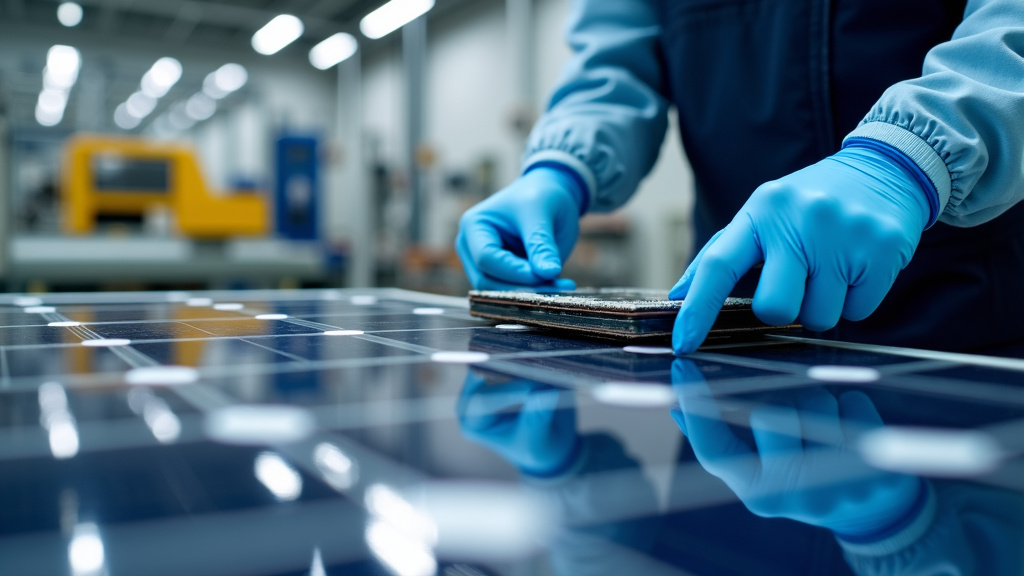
[565, 284]
[679, 291]
[677, 415]
[546, 268]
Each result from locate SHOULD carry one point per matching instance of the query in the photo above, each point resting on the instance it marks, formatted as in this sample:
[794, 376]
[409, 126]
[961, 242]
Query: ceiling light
[48, 118]
[123, 119]
[225, 80]
[62, 65]
[392, 16]
[140, 105]
[163, 75]
[333, 50]
[200, 107]
[53, 101]
[276, 34]
[69, 14]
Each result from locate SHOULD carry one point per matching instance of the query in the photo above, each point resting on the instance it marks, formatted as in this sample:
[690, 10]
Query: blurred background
[184, 144]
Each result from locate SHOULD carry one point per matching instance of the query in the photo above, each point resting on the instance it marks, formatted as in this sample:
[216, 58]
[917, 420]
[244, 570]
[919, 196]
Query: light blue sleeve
[962, 120]
[963, 530]
[607, 119]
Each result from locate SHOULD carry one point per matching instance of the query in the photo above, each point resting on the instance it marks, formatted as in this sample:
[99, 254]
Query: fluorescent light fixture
[163, 75]
[52, 101]
[69, 14]
[200, 107]
[333, 50]
[62, 65]
[225, 80]
[276, 34]
[123, 119]
[140, 105]
[392, 16]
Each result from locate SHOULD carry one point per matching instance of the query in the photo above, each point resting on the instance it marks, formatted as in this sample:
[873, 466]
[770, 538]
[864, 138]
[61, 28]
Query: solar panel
[385, 431]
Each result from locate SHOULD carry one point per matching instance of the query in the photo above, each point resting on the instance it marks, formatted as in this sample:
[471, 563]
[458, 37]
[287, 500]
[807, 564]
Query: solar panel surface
[384, 431]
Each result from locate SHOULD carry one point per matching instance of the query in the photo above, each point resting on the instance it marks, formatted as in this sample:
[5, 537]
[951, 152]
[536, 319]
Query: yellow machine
[105, 176]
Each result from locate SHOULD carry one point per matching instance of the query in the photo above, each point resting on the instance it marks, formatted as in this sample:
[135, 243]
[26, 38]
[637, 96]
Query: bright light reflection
[85, 551]
[338, 470]
[276, 34]
[278, 476]
[392, 16]
[404, 555]
[634, 394]
[162, 422]
[333, 50]
[931, 451]
[52, 398]
[57, 420]
[69, 14]
[63, 436]
[386, 504]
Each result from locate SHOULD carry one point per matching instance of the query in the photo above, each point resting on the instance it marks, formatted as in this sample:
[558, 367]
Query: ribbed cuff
[578, 188]
[915, 148]
[572, 163]
[900, 159]
[911, 532]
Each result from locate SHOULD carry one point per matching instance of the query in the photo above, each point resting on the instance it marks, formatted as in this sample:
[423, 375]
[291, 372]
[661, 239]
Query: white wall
[667, 193]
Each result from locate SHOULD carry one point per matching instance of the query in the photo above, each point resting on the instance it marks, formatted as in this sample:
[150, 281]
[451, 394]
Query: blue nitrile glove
[519, 238]
[803, 464]
[832, 237]
[529, 424]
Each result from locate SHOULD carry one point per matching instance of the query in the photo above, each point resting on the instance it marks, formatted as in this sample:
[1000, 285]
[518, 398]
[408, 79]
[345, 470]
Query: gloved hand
[832, 237]
[518, 238]
[804, 464]
[529, 424]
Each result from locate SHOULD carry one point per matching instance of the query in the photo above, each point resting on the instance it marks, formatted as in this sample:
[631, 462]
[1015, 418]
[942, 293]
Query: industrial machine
[128, 178]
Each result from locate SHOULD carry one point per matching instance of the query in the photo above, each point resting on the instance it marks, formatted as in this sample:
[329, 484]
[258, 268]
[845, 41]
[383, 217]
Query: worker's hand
[529, 424]
[832, 237]
[801, 462]
[519, 238]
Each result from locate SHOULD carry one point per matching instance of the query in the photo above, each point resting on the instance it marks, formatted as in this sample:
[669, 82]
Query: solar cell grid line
[953, 357]
[938, 386]
[288, 355]
[190, 325]
[131, 356]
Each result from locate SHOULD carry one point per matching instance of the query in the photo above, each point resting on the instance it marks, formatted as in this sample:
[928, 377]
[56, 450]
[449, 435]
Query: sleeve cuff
[915, 148]
[569, 161]
[910, 534]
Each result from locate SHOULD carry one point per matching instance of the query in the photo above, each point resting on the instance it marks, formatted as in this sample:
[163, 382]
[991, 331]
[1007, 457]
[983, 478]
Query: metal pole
[414, 48]
[359, 204]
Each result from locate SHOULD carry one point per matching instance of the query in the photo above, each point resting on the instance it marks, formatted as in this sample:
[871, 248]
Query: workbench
[376, 431]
